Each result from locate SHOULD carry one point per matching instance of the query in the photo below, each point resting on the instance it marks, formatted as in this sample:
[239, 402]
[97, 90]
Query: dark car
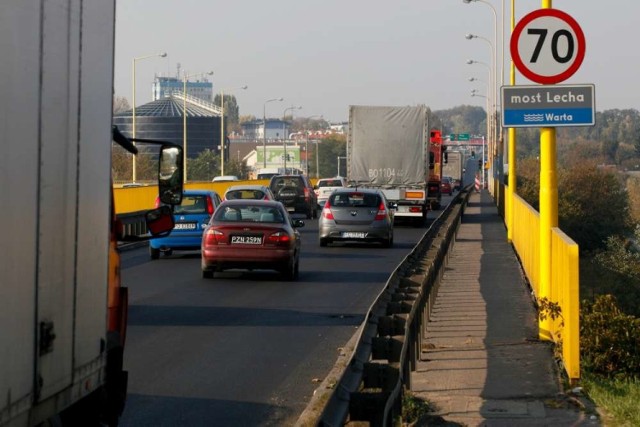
[190, 217]
[296, 193]
[251, 234]
[356, 215]
[446, 186]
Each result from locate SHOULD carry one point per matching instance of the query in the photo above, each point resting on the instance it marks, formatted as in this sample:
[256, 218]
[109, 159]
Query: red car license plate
[246, 240]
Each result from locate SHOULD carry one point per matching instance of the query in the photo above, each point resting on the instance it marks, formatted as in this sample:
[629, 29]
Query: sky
[324, 55]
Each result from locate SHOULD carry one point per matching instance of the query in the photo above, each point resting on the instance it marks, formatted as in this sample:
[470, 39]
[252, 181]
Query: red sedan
[251, 234]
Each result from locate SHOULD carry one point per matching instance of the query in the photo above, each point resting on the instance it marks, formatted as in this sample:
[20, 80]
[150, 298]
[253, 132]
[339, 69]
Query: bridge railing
[565, 282]
[366, 383]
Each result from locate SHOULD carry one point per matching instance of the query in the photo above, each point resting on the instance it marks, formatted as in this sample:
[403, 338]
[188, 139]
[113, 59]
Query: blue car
[191, 218]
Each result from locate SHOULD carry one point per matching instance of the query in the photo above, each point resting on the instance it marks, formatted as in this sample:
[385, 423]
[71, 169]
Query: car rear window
[279, 183]
[330, 183]
[250, 213]
[191, 205]
[355, 200]
[244, 194]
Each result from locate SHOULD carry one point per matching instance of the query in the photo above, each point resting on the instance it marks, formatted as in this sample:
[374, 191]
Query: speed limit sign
[547, 46]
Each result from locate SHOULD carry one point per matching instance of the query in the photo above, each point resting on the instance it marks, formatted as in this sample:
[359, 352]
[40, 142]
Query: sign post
[547, 47]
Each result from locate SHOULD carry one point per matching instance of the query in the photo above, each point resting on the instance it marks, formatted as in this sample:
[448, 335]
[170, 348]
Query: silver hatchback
[356, 215]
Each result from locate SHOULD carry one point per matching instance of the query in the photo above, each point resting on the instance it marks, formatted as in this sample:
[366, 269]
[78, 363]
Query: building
[164, 86]
[164, 120]
[275, 129]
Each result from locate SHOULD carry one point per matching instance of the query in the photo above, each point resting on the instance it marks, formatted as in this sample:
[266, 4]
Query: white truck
[388, 148]
[453, 167]
[63, 321]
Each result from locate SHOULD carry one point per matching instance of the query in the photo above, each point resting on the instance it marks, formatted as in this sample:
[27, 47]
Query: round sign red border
[517, 60]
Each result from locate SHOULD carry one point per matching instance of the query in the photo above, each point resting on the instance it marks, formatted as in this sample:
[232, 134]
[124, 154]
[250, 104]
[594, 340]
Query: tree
[120, 104]
[329, 149]
[238, 168]
[231, 112]
[204, 167]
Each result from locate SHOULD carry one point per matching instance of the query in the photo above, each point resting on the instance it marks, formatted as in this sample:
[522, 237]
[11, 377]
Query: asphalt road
[244, 349]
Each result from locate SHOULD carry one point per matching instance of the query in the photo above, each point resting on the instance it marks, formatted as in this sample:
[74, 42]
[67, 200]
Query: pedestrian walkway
[482, 364]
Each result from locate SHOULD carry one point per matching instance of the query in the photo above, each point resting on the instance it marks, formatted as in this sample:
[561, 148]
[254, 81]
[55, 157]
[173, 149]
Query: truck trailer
[63, 322]
[387, 148]
[453, 167]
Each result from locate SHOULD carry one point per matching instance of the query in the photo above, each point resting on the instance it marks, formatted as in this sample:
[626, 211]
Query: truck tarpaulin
[386, 145]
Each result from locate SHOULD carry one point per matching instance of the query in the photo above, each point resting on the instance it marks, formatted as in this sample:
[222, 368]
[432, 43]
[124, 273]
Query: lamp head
[469, 36]
[163, 55]
[467, 1]
[244, 87]
[470, 61]
[472, 79]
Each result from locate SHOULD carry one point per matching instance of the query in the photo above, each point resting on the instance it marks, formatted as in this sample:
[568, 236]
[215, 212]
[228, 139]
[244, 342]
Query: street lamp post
[133, 130]
[223, 140]
[475, 93]
[306, 149]
[264, 129]
[492, 134]
[184, 117]
[284, 136]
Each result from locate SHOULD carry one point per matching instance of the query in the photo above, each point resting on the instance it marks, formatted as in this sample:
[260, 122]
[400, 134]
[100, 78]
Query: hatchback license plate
[185, 226]
[246, 240]
[353, 234]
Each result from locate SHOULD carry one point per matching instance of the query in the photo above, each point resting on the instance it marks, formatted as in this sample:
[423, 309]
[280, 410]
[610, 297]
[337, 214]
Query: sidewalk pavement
[483, 364]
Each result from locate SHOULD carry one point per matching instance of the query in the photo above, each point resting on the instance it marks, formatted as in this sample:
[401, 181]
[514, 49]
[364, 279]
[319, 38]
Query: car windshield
[191, 205]
[355, 200]
[250, 213]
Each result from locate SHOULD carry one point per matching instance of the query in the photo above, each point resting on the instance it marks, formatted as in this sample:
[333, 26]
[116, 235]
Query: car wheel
[207, 274]
[309, 214]
[291, 270]
[323, 242]
[315, 213]
[168, 252]
[154, 253]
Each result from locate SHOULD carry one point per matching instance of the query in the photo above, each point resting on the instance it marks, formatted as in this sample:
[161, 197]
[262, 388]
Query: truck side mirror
[170, 172]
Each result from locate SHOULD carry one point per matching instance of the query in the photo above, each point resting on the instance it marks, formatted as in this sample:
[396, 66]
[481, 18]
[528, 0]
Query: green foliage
[461, 119]
[205, 167]
[231, 112]
[413, 408]
[592, 205]
[621, 256]
[528, 180]
[329, 149]
[236, 167]
[609, 339]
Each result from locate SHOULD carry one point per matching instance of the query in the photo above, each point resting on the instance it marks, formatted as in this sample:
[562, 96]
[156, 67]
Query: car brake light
[306, 194]
[213, 237]
[382, 213]
[326, 211]
[280, 238]
[209, 205]
[157, 202]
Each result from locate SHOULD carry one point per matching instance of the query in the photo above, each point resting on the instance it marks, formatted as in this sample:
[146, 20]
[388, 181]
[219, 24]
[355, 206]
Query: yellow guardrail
[134, 199]
[565, 282]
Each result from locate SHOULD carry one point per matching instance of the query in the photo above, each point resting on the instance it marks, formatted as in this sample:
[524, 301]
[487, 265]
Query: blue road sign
[548, 106]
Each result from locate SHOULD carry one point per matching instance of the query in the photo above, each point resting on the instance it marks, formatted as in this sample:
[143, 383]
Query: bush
[609, 339]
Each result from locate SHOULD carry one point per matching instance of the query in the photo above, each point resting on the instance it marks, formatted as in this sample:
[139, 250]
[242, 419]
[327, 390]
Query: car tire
[314, 213]
[309, 214]
[154, 253]
[323, 242]
[292, 270]
[207, 274]
[168, 252]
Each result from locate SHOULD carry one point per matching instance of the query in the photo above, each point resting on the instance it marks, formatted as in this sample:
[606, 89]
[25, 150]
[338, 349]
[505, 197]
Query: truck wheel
[154, 253]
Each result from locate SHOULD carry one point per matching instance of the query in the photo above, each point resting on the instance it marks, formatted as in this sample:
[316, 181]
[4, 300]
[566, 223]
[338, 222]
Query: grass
[617, 399]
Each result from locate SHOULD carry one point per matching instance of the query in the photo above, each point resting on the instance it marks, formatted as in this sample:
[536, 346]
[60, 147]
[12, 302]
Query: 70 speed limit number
[547, 46]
